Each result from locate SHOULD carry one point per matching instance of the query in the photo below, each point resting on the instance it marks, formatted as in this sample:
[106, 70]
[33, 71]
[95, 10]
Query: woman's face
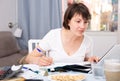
[78, 25]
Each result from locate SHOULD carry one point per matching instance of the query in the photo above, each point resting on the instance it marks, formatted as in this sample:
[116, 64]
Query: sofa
[10, 51]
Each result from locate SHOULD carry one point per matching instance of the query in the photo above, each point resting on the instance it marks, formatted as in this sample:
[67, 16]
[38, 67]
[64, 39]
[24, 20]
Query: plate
[67, 77]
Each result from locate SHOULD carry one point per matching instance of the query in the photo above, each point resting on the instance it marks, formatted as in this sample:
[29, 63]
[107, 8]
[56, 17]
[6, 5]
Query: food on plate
[67, 77]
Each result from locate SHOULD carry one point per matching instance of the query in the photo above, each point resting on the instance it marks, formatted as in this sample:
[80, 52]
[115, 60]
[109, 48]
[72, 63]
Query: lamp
[16, 30]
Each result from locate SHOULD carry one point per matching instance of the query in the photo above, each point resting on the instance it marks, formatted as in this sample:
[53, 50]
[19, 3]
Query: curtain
[37, 17]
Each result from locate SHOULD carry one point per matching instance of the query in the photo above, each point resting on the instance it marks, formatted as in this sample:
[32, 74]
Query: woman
[68, 44]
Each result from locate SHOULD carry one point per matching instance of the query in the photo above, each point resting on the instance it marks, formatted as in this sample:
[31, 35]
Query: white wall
[103, 41]
[8, 10]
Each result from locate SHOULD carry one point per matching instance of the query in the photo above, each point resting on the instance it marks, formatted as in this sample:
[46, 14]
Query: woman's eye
[86, 22]
[78, 21]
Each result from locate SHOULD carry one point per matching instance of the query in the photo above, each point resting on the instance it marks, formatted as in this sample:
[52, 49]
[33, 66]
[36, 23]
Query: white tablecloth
[31, 75]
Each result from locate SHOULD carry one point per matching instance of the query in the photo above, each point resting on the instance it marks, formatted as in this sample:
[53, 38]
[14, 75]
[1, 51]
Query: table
[29, 74]
[89, 77]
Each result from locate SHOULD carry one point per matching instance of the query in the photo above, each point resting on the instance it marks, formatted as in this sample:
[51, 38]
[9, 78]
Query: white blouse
[52, 42]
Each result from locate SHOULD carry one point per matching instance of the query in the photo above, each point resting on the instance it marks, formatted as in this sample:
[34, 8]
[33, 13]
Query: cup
[98, 71]
[112, 69]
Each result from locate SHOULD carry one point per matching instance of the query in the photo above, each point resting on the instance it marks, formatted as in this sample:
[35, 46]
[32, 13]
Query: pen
[30, 70]
[45, 53]
[39, 50]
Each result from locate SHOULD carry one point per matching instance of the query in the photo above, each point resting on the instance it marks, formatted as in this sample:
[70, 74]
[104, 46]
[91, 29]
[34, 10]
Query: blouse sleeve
[44, 44]
[89, 49]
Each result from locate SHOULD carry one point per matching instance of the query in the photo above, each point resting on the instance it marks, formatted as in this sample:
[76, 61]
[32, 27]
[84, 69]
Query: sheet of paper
[28, 74]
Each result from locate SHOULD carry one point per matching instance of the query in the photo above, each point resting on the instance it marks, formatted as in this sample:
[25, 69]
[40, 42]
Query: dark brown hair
[76, 8]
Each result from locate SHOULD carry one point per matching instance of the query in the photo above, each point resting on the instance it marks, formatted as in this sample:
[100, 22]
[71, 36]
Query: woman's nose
[82, 25]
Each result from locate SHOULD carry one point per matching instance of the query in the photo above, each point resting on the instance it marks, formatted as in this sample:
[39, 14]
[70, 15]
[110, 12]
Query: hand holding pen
[44, 59]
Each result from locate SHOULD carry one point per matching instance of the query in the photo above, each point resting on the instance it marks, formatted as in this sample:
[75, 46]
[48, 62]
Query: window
[104, 14]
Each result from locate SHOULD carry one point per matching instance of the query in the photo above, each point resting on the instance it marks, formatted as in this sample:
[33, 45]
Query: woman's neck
[66, 34]
[70, 42]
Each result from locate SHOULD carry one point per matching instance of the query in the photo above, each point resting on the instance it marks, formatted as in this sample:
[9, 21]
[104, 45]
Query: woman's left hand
[93, 59]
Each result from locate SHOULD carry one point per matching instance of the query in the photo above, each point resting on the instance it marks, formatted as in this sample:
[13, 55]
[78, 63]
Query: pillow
[8, 44]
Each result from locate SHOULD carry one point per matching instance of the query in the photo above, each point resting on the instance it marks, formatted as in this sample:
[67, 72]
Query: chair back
[32, 43]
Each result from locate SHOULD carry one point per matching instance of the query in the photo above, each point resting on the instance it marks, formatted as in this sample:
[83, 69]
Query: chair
[32, 43]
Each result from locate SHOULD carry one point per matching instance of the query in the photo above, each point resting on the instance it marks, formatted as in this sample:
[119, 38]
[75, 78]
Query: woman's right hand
[44, 61]
[36, 57]
[39, 60]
